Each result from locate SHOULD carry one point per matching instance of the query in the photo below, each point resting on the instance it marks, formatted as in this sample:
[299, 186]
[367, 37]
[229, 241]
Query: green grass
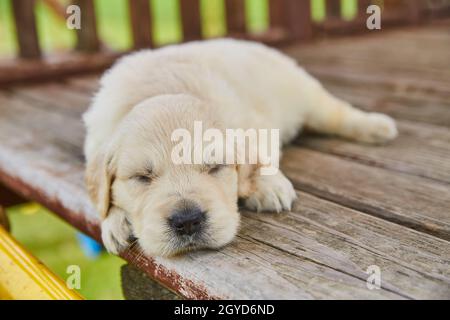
[114, 27]
[54, 242]
[7, 32]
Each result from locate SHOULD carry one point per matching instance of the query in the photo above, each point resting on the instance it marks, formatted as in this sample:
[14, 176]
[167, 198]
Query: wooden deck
[358, 205]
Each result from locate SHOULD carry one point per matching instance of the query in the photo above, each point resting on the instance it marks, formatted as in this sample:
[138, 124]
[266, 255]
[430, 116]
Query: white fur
[227, 84]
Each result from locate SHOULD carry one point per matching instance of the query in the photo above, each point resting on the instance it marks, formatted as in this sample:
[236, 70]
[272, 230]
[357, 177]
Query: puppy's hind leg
[331, 115]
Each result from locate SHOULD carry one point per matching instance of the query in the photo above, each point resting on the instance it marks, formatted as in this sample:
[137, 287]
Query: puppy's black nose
[187, 221]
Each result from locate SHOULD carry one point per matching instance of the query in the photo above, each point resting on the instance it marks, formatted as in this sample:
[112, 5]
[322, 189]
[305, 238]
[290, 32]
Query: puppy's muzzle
[187, 221]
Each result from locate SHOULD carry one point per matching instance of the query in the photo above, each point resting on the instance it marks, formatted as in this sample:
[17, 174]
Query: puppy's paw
[273, 193]
[116, 231]
[378, 128]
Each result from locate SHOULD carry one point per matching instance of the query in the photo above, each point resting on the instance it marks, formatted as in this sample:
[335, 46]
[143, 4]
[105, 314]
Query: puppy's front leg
[269, 193]
[116, 231]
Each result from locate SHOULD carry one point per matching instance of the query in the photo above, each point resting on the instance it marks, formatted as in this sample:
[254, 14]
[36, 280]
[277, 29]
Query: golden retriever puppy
[145, 97]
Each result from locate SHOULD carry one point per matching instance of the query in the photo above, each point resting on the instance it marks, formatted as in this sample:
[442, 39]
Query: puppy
[171, 208]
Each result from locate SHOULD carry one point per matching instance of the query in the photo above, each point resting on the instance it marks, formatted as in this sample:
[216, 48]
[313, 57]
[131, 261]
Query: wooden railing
[394, 12]
[290, 21]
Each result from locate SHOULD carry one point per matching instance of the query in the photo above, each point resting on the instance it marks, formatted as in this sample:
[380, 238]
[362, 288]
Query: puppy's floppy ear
[99, 177]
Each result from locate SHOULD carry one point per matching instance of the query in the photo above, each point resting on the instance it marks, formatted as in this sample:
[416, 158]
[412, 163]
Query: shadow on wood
[136, 285]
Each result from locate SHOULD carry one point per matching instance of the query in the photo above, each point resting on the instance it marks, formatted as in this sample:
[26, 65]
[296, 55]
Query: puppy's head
[172, 207]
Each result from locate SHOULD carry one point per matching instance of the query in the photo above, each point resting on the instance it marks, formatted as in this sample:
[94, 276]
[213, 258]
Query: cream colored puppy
[144, 97]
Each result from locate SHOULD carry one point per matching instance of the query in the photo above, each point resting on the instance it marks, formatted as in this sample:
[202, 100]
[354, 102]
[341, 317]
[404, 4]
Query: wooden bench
[358, 206]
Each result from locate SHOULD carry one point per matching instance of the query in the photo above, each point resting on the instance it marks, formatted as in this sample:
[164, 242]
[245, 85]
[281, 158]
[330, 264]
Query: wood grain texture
[190, 19]
[9, 198]
[358, 205]
[411, 84]
[18, 71]
[402, 156]
[297, 15]
[397, 197]
[333, 9]
[25, 23]
[87, 35]
[235, 16]
[276, 13]
[141, 23]
[55, 98]
[436, 9]
[362, 7]
[410, 104]
[305, 257]
[420, 150]
[416, 10]
[136, 285]
[409, 10]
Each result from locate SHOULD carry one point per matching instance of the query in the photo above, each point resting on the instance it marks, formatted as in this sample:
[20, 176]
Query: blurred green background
[55, 243]
[50, 239]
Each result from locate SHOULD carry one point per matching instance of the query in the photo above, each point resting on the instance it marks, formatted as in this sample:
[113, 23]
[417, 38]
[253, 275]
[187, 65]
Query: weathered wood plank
[412, 94]
[235, 16]
[358, 71]
[409, 10]
[87, 35]
[141, 23]
[412, 201]
[191, 19]
[276, 14]
[333, 9]
[136, 285]
[430, 160]
[53, 68]
[416, 10]
[297, 15]
[373, 76]
[401, 156]
[320, 250]
[48, 127]
[87, 84]
[436, 9]
[26, 31]
[196, 276]
[9, 198]
[406, 80]
[422, 150]
[371, 50]
[394, 14]
[362, 7]
[401, 106]
[330, 247]
[328, 223]
[55, 97]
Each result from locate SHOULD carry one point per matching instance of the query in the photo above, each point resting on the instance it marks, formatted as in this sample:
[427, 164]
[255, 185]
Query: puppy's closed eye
[214, 169]
[143, 177]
